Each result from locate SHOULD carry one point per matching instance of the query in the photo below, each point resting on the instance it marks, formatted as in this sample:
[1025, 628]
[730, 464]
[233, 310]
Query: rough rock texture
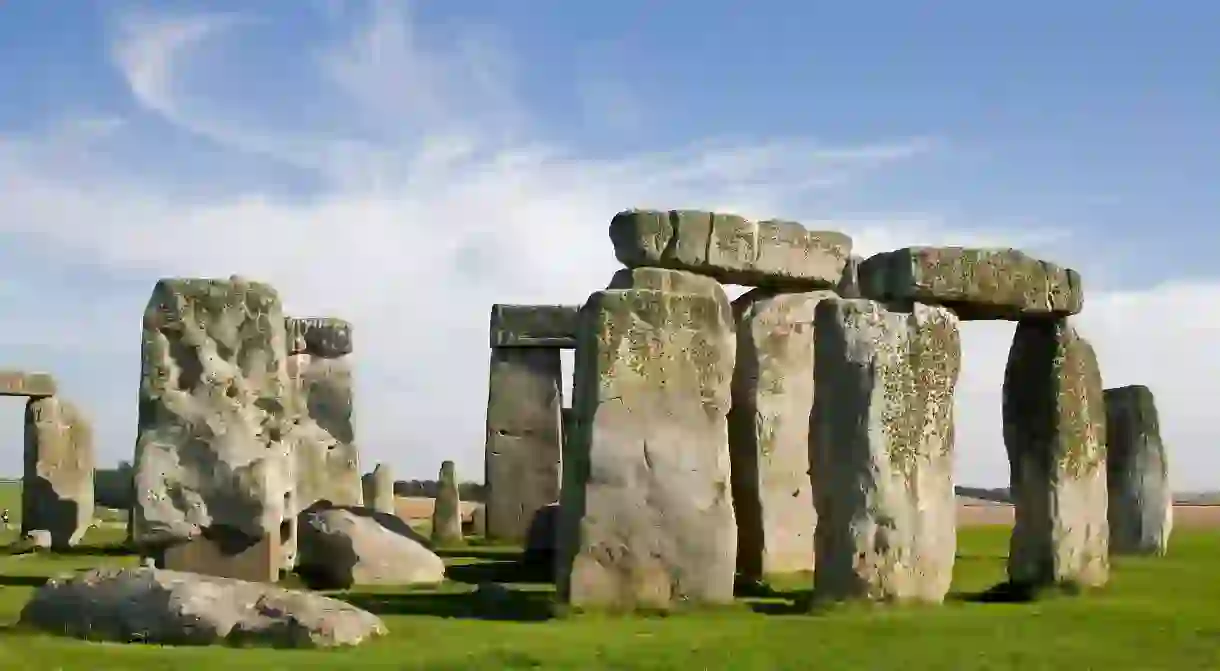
[447, 508]
[378, 489]
[881, 451]
[1055, 434]
[341, 547]
[327, 460]
[534, 325]
[769, 431]
[328, 337]
[524, 438]
[730, 248]
[1137, 473]
[57, 485]
[213, 449]
[147, 605]
[227, 555]
[647, 515]
[849, 283]
[976, 283]
[37, 385]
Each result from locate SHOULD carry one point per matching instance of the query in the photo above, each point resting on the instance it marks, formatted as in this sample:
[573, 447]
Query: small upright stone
[1137, 473]
[57, 487]
[1055, 434]
[379, 489]
[881, 451]
[447, 508]
[849, 283]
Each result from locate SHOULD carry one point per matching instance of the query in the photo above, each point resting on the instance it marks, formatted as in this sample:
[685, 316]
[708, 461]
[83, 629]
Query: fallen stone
[730, 248]
[57, 484]
[378, 489]
[447, 508]
[144, 605]
[881, 451]
[646, 515]
[975, 283]
[1055, 435]
[534, 326]
[1137, 474]
[773, 388]
[327, 337]
[327, 462]
[340, 547]
[37, 385]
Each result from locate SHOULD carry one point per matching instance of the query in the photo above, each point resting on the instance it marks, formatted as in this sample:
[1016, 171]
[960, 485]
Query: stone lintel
[534, 325]
[36, 385]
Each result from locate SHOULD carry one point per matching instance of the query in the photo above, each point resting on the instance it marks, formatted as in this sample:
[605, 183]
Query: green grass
[1156, 614]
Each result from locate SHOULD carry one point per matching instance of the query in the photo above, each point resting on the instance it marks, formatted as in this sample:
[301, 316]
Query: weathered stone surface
[146, 605]
[230, 556]
[57, 485]
[975, 283]
[447, 508]
[534, 325]
[647, 515]
[769, 431]
[327, 460]
[15, 383]
[1055, 434]
[881, 451]
[378, 489]
[524, 438]
[730, 248]
[328, 337]
[849, 283]
[1137, 473]
[213, 447]
[341, 547]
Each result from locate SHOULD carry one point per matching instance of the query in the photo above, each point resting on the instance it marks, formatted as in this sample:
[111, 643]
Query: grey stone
[541, 542]
[534, 325]
[1137, 473]
[341, 547]
[849, 283]
[730, 248]
[646, 509]
[16, 383]
[378, 489]
[773, 388]
[447, 508]
[145, 605]
[57, 485]
[327, 460]
[524, 438]
[224, 554]
[40, 539]
[975, 283]
[881, 451]
[327, 337]
[1055, 434]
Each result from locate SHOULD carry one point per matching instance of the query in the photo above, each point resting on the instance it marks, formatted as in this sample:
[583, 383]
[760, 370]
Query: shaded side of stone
[881, 451]
[524, 438]
[1137, 473]
[534, 325]
[646, 512]
[849, 283]
[16, 383]
[773, 390]
[57, 484]
[1055, 435]
[447, 508]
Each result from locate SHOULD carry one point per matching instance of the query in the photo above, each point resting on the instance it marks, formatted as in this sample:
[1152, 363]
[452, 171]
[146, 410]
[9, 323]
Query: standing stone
[773, 387]
[881, 451]
[213, 459]
[646, 513]
[379, 489]
[849, 283]
[327, 460]
[57, 486]
[524, 438]
[447, 508]
[1137, 473]
[1055, 433]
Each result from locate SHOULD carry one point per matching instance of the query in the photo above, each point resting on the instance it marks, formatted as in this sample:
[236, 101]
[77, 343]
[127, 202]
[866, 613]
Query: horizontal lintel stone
[534, 325]
[16, 383]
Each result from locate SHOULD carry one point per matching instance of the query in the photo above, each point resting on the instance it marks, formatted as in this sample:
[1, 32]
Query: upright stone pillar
[773, 390]
[881, 451]
[524, 423]
[1137, 474]
[378, 489]
[447, 508]
[646, 512]
[57, 486]
[1055, 433]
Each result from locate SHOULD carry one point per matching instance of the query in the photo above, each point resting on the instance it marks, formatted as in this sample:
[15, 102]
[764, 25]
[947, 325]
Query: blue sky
[405, 165]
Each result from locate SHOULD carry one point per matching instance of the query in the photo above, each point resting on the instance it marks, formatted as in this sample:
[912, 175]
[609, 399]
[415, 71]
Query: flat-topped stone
[534, 325]
[731, 248]
[16, 383]
[329, 337]
[976, 283]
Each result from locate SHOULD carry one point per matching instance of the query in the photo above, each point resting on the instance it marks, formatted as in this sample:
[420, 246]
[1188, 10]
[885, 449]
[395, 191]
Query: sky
[405, 165]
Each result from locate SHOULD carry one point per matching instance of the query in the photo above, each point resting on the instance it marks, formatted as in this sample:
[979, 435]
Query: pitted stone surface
[327, 460]
[328, 337]
[57, 485]
[646, 514]
[447, 508]
[1137, 473]
[976, 283]
[773, 388]
[378, 489]
[730, 248]
[37, 385]
[1055, 434]
[534, 325]
[881, 451]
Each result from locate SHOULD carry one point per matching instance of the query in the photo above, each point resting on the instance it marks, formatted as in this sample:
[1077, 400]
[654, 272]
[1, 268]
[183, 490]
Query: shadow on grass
[487, 552]
[1010, 592]
[100, 550]
[23, 580]
[797, 602]
[493, 603]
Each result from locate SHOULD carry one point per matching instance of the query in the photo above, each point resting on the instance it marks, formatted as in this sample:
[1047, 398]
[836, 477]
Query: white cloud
[428, 211]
